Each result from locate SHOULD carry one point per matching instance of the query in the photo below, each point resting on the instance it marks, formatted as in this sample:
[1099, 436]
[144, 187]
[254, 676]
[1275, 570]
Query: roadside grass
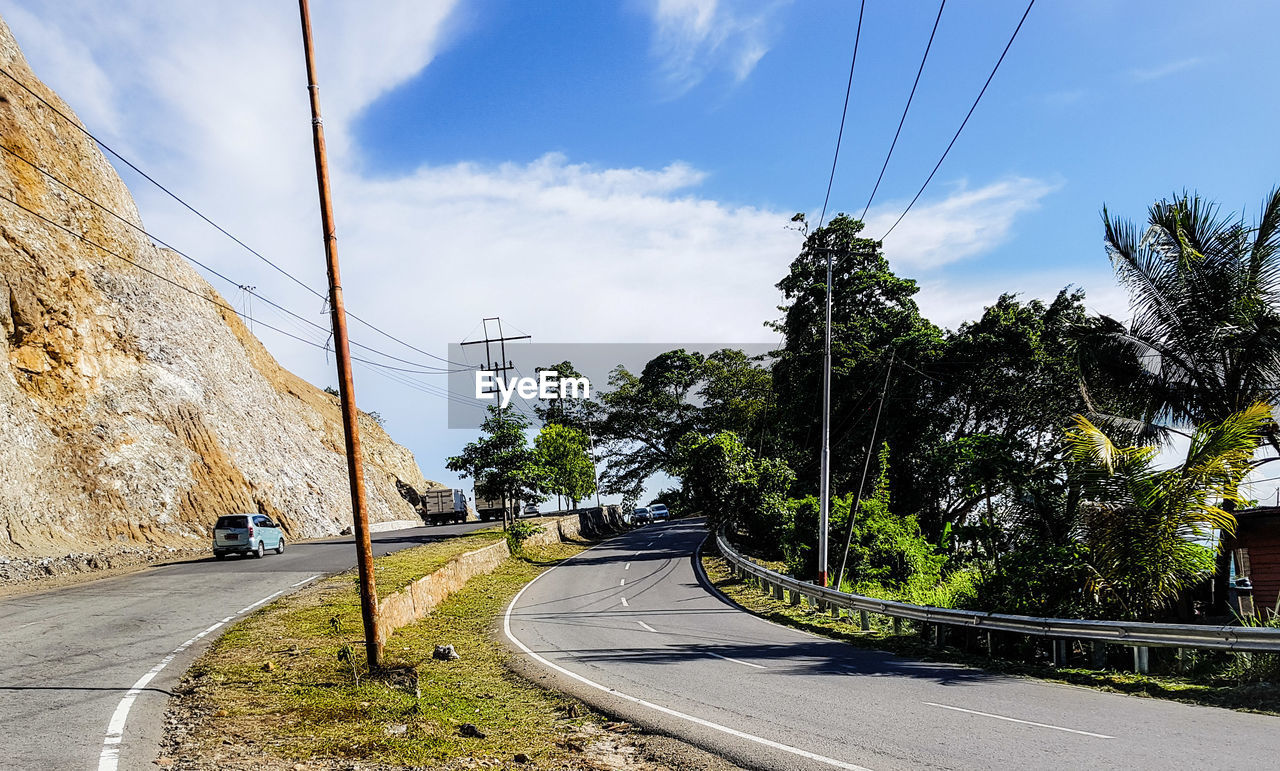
[399, 569]
[275, 682]
[1250, 697]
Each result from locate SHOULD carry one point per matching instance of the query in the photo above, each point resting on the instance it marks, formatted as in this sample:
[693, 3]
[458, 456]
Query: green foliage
[520, 531]
[1145, 527]
[500, 461]
[724, 481]
[563, 455]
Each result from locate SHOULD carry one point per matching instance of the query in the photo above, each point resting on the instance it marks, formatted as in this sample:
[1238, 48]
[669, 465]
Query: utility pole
[497, 367]
[824, 483]
[346, 387]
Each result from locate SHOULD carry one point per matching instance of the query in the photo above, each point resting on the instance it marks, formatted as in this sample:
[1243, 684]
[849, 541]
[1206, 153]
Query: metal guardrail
[1242, 639]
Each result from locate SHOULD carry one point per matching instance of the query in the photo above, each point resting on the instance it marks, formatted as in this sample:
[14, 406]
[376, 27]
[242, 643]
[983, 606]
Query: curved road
[631, 627]
[71, 657]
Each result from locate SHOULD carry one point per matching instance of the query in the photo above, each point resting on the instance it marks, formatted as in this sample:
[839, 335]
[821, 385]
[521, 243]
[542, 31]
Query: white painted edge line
[624, 603]
[109, 759]
[305, 581]
[645, 626]
[506, 629]
[1016, 720]
[736, 661]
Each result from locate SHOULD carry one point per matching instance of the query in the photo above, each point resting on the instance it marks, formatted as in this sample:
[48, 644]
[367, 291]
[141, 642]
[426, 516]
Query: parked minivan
[246, 534]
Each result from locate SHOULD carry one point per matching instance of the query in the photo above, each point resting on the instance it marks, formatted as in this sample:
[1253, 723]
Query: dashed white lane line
[623, 582]
[736, 661]
[1016, 720]
[645, 626]
[624, 567]
[624, 602]
[506, 629]
[109, 759]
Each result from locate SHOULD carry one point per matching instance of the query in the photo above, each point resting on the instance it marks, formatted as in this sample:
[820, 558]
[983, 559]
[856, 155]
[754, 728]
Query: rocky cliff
[133, 411]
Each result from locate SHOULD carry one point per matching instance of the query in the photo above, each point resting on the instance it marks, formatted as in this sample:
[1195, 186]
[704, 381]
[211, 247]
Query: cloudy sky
[625, 171]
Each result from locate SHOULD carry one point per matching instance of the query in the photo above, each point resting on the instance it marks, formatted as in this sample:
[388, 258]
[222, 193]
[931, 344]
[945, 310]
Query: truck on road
[494, 508]
[444, 505]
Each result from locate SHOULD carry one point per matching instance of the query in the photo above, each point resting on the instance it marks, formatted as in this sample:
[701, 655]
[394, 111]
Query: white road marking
[623, 582]
[305, 581]
[624, 602]
[1016, 720]
[736, 661]
[506, 629]
[624, 567]
[645, 626]
[109, 760]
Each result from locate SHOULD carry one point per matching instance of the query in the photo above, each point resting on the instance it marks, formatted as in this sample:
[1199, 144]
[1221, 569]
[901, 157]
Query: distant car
[530, 508]
[246, 534]
[659, 511]
[640, 516]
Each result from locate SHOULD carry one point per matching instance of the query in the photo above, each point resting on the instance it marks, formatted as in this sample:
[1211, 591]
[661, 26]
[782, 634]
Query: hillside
[132, 410]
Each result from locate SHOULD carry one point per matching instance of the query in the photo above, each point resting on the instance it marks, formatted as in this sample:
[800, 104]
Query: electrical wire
[963, 123]
[76, 124]
[844, 112]
[426, 368]
[905, 110]
[185, 288]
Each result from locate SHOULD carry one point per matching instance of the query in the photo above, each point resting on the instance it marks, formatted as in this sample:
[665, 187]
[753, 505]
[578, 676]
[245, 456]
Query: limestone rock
[134, 412]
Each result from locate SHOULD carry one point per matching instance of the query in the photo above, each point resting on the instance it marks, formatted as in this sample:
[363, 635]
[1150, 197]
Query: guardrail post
[1141, 659]
[777, 591]
[1182, 660]
[795, 598]
[864, 621]
[1098, 654]
[938, 635]
[835, 611]
[1059, 653]
[897, 626]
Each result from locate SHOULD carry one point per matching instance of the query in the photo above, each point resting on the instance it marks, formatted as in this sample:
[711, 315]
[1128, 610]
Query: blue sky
[602, 172]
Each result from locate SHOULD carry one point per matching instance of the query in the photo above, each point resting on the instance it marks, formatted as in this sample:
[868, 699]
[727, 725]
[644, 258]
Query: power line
[964, 122]
[183, 287]
[76, 124]
[249, 290]
[844, 112]
[905, 110]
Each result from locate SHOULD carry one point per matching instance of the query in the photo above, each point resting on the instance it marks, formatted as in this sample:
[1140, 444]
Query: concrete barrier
[422, 596]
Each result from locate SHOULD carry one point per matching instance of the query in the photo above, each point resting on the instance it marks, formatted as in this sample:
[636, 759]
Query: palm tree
[1204, 339]
[1146, 529]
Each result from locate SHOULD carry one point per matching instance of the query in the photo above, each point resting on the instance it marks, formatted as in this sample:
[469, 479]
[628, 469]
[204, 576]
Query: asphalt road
[630, 627]
[70, 656]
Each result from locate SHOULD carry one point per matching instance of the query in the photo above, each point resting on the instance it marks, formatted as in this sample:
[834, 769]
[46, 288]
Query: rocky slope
[133, 411]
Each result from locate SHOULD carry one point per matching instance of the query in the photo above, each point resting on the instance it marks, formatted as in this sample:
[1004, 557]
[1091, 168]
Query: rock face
[133, 411]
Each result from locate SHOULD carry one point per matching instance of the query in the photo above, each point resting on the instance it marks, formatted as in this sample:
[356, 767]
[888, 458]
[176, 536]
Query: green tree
[724, 480]
[500, 462]
[581, 414]
[1146, 529]
[563, 454]
[1204, 338]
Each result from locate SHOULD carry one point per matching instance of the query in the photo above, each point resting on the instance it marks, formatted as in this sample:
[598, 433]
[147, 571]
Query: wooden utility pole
[346, 388]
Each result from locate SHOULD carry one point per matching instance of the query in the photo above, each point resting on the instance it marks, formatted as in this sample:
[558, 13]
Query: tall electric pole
[342, 350]
[824, 483]
[497, 367]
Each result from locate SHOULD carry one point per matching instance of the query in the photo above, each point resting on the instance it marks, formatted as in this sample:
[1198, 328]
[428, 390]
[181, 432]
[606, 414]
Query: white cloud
[693, 38]
[212, 100]
[963, 224]
[950, 301]
[1148, 74]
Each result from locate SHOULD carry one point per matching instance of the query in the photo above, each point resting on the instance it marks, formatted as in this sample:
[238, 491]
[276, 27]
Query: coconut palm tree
[1204, 338]
[1147, 530]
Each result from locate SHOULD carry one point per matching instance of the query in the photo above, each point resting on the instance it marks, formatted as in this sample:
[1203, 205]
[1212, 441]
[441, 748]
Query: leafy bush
[520, 531]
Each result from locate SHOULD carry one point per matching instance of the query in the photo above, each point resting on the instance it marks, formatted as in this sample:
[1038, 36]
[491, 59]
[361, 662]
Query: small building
[1255, 553]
